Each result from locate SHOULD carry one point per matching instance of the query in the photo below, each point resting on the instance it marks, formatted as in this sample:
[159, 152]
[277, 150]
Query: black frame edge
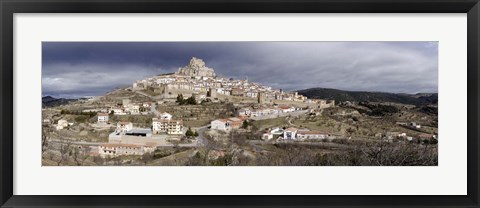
[6, 104]
[473, 146]
[9, 7]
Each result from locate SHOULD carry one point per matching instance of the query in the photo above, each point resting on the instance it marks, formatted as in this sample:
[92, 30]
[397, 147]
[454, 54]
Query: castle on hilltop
[196, 68]
[200, 81]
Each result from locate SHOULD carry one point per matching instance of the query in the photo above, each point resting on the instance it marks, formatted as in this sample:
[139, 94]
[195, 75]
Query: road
[330, 145]
[201, 137]
[147, 95]
[83, 143]
[153, 109]
[69, 141]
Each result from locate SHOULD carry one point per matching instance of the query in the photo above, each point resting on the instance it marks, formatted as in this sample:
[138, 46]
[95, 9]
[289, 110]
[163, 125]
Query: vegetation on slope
[360, 96]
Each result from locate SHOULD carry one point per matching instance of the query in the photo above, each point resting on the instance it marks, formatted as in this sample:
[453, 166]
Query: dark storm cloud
[73, 69]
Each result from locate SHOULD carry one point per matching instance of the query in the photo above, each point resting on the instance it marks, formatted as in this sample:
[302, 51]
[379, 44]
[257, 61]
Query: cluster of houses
[202, 80]
[124, 108]
[303, 134]
[128, 108]
[390, 136]
[127, 140]
[249, 112]
[295, 134]
[162, 125]
[212, 86]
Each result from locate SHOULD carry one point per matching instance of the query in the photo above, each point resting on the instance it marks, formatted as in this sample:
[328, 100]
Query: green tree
[245, 124]
[195, 134]
[180, 99]
[189, 132]
[191, 100]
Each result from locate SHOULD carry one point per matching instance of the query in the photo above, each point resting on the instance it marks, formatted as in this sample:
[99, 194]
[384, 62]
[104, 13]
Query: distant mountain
[361, 96]
[49, 101]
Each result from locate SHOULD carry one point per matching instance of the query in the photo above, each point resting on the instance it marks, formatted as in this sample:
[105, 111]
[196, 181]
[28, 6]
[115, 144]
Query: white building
[221, 124]
[166, 116]
[133, 109]
[168, 126]
[102, 117]
[255, 113]
[311, 135]
[267, 136]
[123, 127]
[290, 133]
[244, 112]
[47, 121]
[112, 150]
[251, 94]
[118, 111]
[165, 80]
[287, 109]
[62, 124]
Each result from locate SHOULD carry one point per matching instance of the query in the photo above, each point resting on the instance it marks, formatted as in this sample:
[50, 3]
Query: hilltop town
[194, 117]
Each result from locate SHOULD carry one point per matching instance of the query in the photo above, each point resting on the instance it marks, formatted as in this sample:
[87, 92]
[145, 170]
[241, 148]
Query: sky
[79, 69]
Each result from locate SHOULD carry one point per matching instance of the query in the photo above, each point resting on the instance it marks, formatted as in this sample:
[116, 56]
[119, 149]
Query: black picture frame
[9, 7]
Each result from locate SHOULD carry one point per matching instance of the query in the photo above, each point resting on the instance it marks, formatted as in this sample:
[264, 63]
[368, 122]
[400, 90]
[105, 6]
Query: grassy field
[198, 115]
[321, 123]
[361, 125]
[269, 123]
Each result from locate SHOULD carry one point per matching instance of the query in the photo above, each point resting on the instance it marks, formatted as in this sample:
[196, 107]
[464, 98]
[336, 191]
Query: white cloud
[90, 79]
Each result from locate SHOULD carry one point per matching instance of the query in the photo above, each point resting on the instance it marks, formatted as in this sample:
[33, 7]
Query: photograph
[240, 103]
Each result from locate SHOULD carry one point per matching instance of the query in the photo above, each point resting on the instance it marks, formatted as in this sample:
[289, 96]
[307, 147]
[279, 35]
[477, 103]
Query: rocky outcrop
[196, 68]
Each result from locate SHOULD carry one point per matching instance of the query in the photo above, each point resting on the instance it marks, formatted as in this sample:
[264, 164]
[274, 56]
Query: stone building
[212, 93]
[263, 98]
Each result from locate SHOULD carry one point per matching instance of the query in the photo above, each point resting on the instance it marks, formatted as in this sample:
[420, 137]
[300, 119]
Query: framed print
[204, 103]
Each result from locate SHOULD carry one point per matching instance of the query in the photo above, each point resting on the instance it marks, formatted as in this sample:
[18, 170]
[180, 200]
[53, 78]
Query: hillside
[360, 96]
[49, 101]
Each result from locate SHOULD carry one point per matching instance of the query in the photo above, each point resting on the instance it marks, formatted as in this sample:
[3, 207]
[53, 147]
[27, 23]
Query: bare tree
[65, 152]
[45, 137]
[98, 160]
[147, 157]
[80, 155]
[75, 155]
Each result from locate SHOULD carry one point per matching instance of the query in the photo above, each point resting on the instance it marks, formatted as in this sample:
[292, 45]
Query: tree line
[189, 101]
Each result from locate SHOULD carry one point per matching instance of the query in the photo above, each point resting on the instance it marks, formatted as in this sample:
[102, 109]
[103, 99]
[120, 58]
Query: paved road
[201, 135]
[153, 109]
